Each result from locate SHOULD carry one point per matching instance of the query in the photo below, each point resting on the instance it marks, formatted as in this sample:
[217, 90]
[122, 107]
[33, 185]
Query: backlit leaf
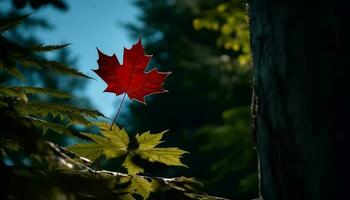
[140, 186]
[130, 77]
[169, 156]
[131, 166]
[148, 150]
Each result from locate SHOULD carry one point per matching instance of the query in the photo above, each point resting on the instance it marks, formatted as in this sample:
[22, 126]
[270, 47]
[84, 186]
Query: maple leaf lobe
[130, 77]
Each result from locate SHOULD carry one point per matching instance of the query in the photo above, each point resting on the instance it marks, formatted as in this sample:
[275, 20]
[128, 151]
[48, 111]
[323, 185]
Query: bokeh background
[206, 46]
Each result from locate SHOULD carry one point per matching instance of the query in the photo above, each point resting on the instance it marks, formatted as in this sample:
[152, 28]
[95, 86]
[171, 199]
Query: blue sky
[88, 24]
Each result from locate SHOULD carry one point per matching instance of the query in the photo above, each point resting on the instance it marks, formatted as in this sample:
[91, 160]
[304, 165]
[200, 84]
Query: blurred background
[205, 43]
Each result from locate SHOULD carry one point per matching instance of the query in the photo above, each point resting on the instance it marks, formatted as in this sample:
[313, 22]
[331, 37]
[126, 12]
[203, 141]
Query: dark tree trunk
[302, 62]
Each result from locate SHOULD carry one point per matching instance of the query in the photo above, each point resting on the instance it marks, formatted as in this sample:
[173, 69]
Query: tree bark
[301, 63]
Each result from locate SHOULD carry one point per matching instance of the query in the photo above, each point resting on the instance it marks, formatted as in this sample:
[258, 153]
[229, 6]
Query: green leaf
[147, 150]
[18, 91]
[73, 114]
[97, 139]
[136, 185]
[147, 140]
[45, 125]
[115, 143]
[117, 136]
[112, 143]
[132, 168]
[127, 197]
[91, 151]
[110, 149]
[50, 65]
[140, 186]
[46, 48]
[168, 156]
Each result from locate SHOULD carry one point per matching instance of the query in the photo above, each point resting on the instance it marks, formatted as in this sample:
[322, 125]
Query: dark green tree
[33, 77]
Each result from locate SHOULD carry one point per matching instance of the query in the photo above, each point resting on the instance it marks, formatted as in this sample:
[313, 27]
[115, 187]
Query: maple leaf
[140, 186]
[115, 143]
[112, 143]
[130, 77]
[136, 185]
[147, 150]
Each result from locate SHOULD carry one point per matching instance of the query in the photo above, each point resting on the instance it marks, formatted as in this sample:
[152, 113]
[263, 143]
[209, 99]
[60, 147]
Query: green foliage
[147, 150]
[46, 48]
[15, 55]
[210, 80]
[140, 186]
[50, 171]
[72, 114]
[230, 20]
[11, 22]
[112, 143]
[19, 92]
[46, 125]
[115, 143]
[17, 102]
[238, 165]
[206, 81]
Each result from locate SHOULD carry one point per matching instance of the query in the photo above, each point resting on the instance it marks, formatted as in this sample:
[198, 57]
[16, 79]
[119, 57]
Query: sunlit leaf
[147, 140]
[135, 61]
[131, 166]
[148, 150]
[140, 186]
[168, 156]
[111, 144]
[91, 151]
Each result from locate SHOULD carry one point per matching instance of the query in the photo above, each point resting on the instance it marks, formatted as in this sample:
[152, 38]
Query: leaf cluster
[116, 143]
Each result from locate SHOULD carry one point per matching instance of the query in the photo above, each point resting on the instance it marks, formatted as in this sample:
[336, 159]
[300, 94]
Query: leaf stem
[120, 107]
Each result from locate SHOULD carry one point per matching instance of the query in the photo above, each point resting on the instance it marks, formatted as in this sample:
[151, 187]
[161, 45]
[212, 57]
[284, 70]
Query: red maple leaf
[130, 77]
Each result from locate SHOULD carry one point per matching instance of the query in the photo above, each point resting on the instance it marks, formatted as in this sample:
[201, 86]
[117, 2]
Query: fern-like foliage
[72, 114]
[46, 48]
[11, 22]
[20, 92]
[15, 55]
